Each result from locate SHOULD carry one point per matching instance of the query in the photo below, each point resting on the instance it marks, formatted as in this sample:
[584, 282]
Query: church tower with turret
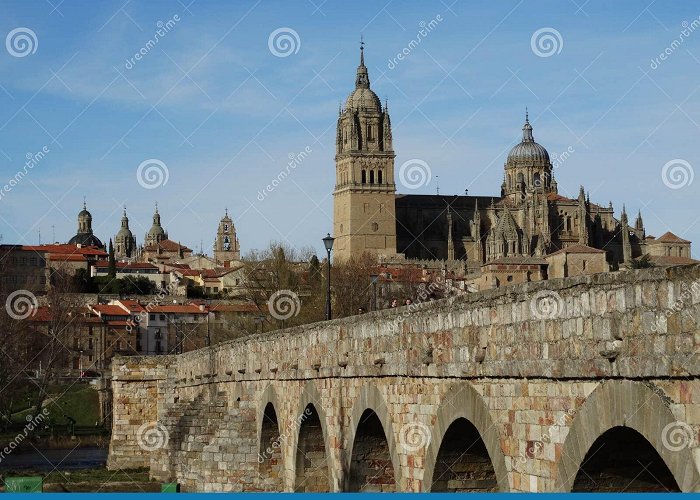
[364, 197]
[226, 248]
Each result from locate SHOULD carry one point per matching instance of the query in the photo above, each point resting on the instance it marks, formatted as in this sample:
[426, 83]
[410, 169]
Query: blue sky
[213, 103]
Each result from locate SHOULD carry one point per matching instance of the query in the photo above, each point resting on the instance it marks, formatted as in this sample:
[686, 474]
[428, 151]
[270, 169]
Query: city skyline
[226, 131]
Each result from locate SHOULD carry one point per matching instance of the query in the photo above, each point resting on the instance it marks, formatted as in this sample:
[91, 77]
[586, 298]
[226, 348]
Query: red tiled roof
[132, 305]
[669, 237]
[66, 248]
[518, 260]
[558, 197]
[168, 246]
[178, 309]
[109, 310]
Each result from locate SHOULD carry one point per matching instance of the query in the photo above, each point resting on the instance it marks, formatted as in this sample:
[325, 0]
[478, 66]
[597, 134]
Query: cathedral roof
[669, 237]
[363, 98]
[528, 152]
[85, 239]
[577, 249]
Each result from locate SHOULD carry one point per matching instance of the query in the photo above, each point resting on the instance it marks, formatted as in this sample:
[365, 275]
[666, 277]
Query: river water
[59, 459]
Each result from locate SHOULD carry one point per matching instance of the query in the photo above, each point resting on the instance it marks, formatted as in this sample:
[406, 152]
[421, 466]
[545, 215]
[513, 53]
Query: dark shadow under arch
[270, 452]
[622, 460]
[463, 463]
[371, 467]
[463, 401]
[312, 473]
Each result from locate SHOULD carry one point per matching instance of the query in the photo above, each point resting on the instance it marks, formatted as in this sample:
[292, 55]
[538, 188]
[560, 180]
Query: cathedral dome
[363, 98]
[85, 239]
[528, 151]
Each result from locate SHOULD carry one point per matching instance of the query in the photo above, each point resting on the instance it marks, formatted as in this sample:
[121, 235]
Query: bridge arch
[627, 405]
[272, 436]
[371, 400]
[462, 402]
[313, 467]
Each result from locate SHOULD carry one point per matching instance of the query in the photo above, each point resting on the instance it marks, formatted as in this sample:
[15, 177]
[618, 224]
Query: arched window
[364, 177]
[379, 177]
[537, 181]
[369, 133]
[371, 176]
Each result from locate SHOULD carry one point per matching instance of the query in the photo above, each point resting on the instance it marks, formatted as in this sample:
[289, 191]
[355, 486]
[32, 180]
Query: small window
[364, 177]
[152, 317]
[162, 317]
[379, 177]
[371, 176]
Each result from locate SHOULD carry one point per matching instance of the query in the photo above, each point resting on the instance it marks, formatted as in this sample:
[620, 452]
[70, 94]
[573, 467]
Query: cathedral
[521, 227]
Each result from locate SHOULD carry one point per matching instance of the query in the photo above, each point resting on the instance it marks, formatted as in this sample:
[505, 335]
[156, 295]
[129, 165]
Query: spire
[84, 204]
[124, 210]
[527, 129]
[226, 212]
[156, 207]
[362, 79]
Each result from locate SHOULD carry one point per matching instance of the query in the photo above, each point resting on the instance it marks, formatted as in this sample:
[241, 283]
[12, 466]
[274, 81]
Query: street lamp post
[374, 278]
[328, 243]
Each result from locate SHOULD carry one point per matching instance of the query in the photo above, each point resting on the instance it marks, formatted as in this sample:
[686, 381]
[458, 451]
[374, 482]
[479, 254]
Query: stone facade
[520, 382]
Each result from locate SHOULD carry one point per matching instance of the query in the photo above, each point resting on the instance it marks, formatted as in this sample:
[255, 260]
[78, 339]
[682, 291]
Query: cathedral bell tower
[364, 197]
[226, 248]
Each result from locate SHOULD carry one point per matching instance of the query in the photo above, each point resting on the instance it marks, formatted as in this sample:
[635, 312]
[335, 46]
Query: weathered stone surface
[538, 391]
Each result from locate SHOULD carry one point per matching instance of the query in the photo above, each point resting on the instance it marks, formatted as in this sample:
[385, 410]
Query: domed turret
[84, 236]
[528, 152]
[363, 98]
[125, 243]
[156, 234]
[527, 167]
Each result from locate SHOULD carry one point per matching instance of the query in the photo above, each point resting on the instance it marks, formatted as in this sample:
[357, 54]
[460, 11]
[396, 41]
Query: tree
[112, 261]
[642, 262]
[54, 344]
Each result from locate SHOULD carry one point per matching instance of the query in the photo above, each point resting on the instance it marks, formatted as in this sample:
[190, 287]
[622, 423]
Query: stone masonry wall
[540, 369]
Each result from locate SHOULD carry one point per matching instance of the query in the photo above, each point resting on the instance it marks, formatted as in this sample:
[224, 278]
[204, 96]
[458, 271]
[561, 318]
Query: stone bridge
[583, 384]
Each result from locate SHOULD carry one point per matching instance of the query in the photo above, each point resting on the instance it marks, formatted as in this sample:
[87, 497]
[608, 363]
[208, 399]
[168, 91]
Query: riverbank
[98, 480]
